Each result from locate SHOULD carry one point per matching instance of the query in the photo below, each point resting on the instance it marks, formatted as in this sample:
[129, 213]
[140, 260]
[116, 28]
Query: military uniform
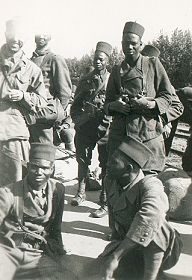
[31, 213]
[91, 123]
[144, 125]
[95, 129]
[139, 79]
[137, 209]
[17, 72]
[58, 85]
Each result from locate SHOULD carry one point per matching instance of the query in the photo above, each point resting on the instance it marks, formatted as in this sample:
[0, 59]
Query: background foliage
[176, 56]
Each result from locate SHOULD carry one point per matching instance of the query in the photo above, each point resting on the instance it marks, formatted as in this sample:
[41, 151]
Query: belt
[17, 238]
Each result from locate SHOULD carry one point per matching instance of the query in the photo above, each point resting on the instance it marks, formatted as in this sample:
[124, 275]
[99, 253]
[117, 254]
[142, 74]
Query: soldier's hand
[141, 103]
[119, 106]
[15, 95]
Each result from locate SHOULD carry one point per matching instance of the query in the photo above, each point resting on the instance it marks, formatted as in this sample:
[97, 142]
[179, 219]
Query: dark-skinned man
[91, 124]
[31, 213]
[137, 210]
[138, 92]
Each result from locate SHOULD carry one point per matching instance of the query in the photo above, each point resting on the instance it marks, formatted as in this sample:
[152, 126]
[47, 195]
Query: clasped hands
[136, 104]
[15, 95]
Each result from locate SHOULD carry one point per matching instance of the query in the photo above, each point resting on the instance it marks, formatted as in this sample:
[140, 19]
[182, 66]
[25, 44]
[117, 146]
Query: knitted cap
[136, 150]
[104, 47]
[150, 50]
[133, 27]
[42, 151]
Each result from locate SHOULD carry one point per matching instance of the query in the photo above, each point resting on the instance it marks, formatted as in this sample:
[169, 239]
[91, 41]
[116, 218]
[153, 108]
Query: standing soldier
[138, 93]
[58, 85]
[22, 94]
[91, 124]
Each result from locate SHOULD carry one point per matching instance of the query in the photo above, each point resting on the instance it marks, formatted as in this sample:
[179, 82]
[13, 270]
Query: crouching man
[137, 209]
[30, 220]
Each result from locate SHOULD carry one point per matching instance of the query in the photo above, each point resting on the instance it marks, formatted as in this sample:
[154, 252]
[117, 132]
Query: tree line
[176, 56]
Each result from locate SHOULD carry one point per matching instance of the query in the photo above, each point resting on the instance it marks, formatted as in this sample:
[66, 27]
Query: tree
[176, 56]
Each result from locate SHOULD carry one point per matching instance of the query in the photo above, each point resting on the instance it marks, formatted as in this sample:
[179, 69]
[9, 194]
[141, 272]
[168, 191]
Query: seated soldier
[137, 208]
[30, 220]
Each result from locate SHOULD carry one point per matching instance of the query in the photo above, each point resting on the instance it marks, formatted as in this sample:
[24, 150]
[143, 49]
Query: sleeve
[175, 109]
[61, 80]
[35, 97]
[151, 214]
[6, 202]
[55, 227]
[163, 87]
[77, 104]
[113, 89]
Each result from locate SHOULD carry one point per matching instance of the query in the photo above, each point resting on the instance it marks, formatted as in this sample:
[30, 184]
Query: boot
[101, 212]
[80, 196]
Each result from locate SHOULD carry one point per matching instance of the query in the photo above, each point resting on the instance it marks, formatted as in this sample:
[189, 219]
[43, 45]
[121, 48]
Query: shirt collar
[28, 188]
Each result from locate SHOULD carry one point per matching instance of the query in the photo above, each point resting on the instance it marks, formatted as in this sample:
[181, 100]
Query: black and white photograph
[95, 140]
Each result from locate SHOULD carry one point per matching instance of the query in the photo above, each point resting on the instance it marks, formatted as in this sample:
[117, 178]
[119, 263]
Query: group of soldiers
[125, 113]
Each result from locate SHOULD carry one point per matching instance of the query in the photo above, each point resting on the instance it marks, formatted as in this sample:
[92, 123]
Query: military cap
[16, 26]
[104, 47]
[42, 151]
[133, 27]
[135, 150]
[150, 50]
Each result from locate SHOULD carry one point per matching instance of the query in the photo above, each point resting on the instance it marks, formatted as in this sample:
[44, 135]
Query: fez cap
[135, 150]
[42, 151]
[150, 50]
[133, 27]
[104, 47]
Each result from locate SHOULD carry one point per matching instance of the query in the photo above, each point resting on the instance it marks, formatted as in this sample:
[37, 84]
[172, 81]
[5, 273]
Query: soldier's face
[14, 41]
[131, 45]
[100, 60]
[39, 172]
[42, 40]
[116, 166]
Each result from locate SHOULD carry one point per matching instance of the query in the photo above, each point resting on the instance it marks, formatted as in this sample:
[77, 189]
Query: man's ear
[129, 167]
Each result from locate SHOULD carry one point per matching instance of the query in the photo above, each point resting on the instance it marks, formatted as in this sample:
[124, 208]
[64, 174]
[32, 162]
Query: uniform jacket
[23, 75]
[47, 222]
[154, 83]
[56, 76]
[98, 122]
[139, 212]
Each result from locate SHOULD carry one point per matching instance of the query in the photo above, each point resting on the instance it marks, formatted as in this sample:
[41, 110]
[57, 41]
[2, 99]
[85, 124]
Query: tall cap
[104, 47]
[135, 150]
[42, 151]
[133, 27]
[16, 26]
[150, 50]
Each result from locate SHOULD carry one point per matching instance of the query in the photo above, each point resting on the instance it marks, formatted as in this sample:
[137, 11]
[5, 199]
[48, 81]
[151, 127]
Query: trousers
[18, 264]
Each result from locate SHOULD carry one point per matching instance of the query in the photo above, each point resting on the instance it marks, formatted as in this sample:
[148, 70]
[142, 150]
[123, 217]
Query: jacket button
[146, 234]
[142, 239]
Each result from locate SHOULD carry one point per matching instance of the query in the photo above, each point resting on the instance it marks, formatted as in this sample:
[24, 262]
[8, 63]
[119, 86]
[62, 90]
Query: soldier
[170, 118]
[22, 94]
[91, 124]
[138, 93]
[138, 206]
[58, 85]
[31, 213]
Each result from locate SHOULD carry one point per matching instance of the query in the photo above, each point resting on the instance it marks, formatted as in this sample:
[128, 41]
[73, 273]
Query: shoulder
[31, 65]
[57, 187]
[151, 182]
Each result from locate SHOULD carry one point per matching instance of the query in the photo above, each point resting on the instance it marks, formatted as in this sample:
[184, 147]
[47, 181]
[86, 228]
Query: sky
[77, 25]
